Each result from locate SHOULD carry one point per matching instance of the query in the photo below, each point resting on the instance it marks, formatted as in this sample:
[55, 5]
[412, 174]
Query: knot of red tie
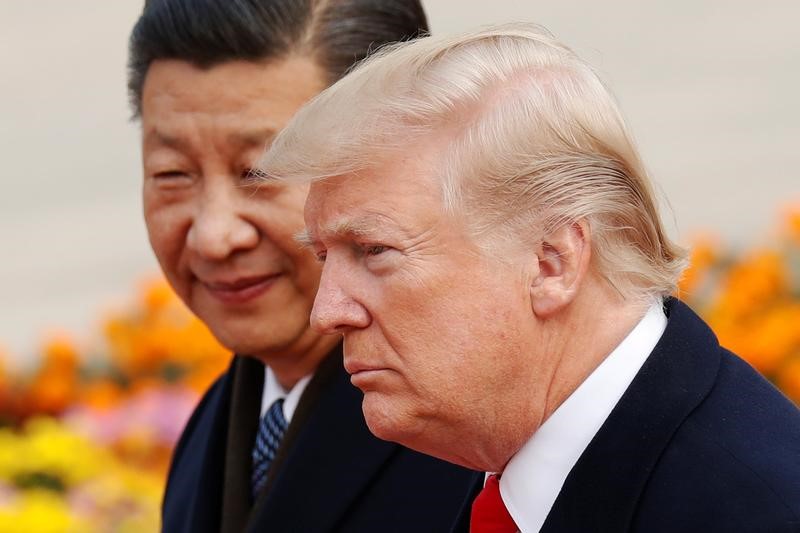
[489, 513]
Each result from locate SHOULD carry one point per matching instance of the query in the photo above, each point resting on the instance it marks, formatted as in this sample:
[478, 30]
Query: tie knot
[270, 433]
[489, 513]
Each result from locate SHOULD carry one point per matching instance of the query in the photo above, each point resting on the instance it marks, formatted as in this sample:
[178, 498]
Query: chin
[385, 422]
[251, 338]
[237, 344]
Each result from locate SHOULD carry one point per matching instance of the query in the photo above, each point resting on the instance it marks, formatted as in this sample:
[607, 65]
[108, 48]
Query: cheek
[167, 226]
[428, 336]
[304, 268]
[164, 229]
[307, 275]
[455, 330]
[436, 311]
[280, 219]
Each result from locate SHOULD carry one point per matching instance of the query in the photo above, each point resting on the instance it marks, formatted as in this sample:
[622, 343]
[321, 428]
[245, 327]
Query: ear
[563, 258]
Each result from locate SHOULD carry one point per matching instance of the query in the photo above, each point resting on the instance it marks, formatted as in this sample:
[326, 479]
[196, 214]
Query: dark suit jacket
[330, 473]
[698, 442]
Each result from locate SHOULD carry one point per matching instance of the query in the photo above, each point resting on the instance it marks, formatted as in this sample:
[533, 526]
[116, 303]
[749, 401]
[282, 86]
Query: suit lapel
[196, 480]
[462, 521]
[327, 459]
[602, 490]
[243, 420]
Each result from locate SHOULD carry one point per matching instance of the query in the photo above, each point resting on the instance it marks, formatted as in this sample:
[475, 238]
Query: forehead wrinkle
[259, 138]
[156, 136]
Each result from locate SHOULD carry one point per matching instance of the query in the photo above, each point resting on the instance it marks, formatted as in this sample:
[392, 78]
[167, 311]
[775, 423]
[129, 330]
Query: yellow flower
[40, 512]
[64, 482]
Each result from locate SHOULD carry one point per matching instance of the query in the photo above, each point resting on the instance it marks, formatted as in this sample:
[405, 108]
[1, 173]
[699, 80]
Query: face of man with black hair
[226, 246]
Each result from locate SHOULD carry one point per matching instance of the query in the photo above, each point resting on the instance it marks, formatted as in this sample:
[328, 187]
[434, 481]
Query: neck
[575, 342]
[301, 359]
[595, 327]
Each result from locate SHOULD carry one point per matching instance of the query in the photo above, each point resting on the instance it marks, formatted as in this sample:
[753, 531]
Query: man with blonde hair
[494, 259]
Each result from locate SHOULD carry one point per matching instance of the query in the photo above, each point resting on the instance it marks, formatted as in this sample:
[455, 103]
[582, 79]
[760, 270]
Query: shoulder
[208, 406]
[206, 421]
[755, 429]
[736, 458]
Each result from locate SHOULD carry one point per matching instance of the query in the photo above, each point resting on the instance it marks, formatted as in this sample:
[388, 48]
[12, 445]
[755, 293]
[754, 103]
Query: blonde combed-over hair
[534, 141]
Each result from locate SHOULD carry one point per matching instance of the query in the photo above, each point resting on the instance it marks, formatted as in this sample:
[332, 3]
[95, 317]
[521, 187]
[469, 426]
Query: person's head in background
[212, 82]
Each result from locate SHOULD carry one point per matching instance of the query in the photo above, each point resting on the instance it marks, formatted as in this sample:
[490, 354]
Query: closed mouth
[240, 290]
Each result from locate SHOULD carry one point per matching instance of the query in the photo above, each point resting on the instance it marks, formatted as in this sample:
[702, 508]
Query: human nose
[336, 311]
[220, 226]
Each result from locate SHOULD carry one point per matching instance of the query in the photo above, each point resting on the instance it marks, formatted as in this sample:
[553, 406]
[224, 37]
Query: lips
[362, 375]
[354, 367]
[240, 290]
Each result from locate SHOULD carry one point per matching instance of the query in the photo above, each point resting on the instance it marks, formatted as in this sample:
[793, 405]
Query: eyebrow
[304, 239]
[340, 229]
[258, 137]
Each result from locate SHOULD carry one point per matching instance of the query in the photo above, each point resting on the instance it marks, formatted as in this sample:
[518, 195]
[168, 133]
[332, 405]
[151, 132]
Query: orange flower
[60, 352]
[50, 393]
[102, 394]
[54, 386]
[156, 295]
[754, 308]
[203, 376]
[793, 222]
[771, 338]
[789, 378]
[703, 256]
[160, 336]
[752, 283]
[5, 388]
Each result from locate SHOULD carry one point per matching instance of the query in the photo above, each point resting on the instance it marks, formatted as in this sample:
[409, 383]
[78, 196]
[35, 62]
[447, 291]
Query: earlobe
[563, 260]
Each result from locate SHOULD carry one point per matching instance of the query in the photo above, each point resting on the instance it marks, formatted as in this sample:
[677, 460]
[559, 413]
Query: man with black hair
[279, 442]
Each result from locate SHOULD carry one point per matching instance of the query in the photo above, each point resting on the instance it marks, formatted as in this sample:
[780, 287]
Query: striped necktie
[270, 433]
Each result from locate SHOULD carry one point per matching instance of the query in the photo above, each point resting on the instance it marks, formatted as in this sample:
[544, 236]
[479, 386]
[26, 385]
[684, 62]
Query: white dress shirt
[533, 478]
[273, 391]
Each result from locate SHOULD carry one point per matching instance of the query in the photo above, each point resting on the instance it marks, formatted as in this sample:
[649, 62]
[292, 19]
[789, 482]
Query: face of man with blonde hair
[437, 334]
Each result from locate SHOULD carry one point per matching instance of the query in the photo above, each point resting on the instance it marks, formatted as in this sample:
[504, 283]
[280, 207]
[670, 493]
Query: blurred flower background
[86, 433]
[751, 299]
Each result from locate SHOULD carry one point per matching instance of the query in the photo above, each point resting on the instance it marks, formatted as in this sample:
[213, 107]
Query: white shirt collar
[273, 391]
[533, 478]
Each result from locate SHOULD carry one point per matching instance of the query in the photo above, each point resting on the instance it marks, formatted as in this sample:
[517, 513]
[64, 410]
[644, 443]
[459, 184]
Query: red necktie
[489, 513]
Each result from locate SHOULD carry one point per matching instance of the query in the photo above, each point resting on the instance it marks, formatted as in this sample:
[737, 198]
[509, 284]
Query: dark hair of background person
[335, 33]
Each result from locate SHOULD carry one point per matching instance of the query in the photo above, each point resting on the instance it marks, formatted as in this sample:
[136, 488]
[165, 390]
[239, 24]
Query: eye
[375, 249]
[172, 179]
[251, 175]
[170, 174]
[379, 258]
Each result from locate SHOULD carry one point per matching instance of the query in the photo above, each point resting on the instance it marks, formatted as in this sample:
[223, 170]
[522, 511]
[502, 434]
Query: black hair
[335, 33]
